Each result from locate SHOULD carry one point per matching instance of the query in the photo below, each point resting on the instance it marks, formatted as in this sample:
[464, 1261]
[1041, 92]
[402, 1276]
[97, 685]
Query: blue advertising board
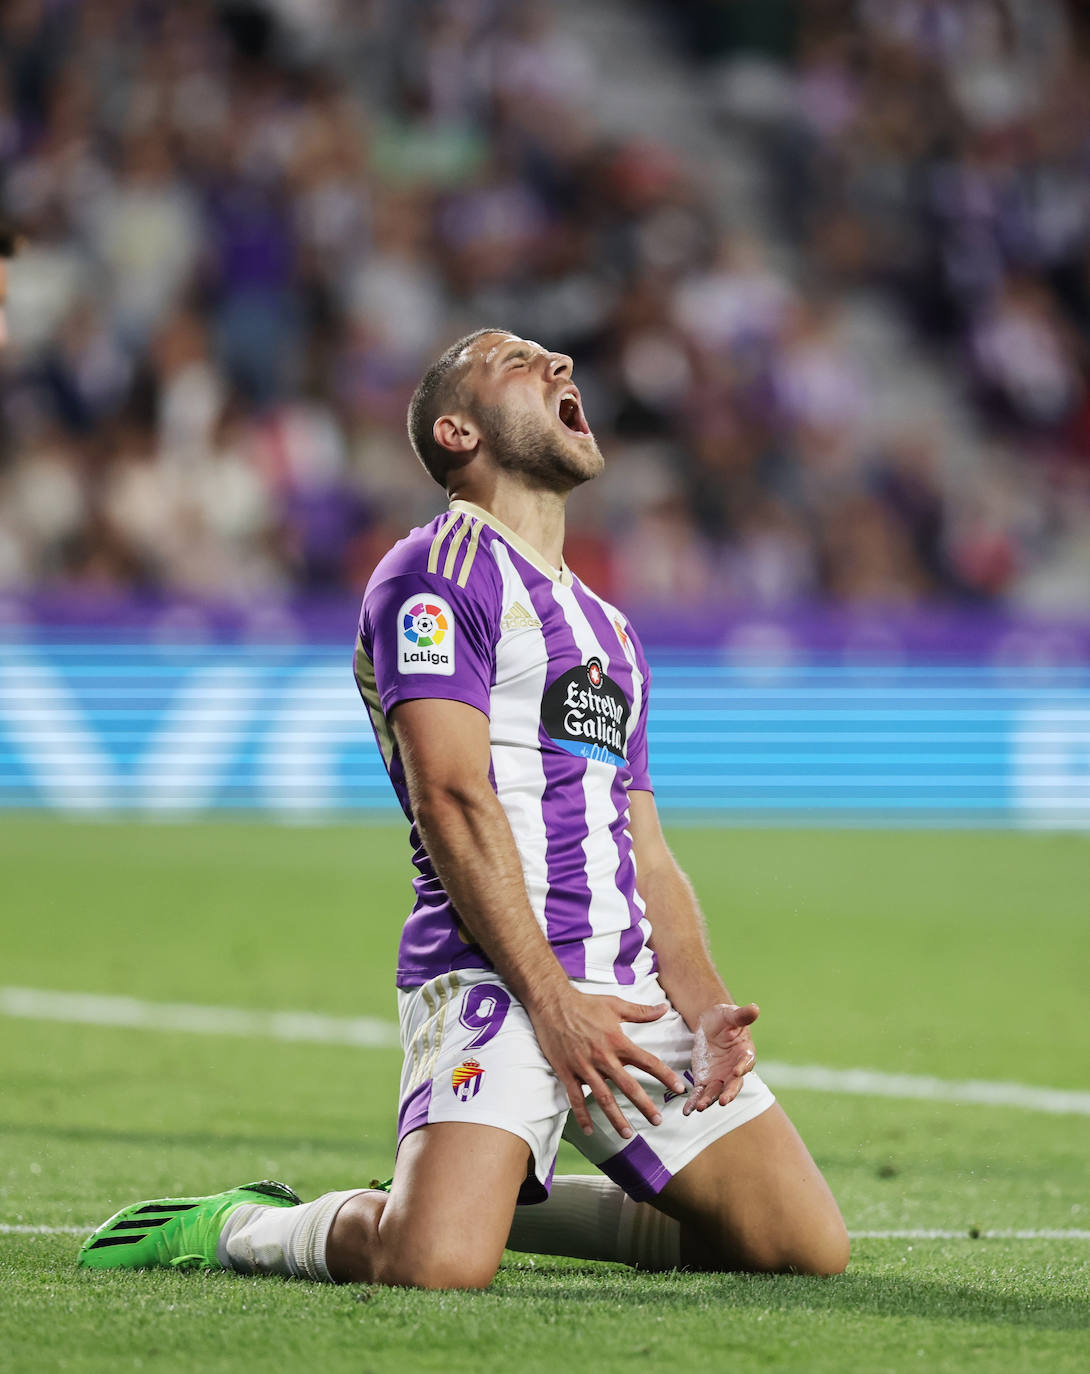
[176, 728]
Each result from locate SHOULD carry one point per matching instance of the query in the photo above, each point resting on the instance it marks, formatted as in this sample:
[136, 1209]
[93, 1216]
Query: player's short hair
[435, 394]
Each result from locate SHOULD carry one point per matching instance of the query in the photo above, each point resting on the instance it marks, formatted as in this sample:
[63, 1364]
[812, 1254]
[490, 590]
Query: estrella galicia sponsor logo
[586, 712]
[425, 636]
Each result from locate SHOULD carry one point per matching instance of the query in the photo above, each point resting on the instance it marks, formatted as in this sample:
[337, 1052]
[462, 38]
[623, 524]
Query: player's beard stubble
[538, 452]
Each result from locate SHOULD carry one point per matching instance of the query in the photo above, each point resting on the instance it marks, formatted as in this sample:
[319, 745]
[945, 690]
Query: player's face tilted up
[518, 406]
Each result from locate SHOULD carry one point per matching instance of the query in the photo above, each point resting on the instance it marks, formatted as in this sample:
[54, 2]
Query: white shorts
[471, 1055]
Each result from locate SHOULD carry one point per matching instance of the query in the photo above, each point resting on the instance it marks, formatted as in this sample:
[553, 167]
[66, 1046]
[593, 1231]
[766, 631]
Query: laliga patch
[425, 636]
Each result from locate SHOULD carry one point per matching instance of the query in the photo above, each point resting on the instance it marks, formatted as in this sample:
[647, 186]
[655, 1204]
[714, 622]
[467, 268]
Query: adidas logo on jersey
[517, 617]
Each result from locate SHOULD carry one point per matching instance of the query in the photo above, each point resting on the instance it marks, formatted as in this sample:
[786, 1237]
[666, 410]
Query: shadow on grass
[850, 1294]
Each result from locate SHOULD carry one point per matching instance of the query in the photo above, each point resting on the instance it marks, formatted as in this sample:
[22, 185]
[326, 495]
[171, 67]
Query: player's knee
[352, 1240]
[439, 1271]
[823, 1253]
[431, 1258]
[359, 1250]
[837, 1252]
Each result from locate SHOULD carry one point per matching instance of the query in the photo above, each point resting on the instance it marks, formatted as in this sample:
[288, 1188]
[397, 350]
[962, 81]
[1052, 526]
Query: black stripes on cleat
[268, 1187]
[166, 1207]
[116, 1240]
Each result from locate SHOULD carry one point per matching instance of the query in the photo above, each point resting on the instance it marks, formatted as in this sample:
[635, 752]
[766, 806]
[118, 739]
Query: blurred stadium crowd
[250, 225]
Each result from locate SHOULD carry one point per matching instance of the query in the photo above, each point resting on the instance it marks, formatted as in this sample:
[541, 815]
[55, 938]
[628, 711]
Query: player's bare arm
[444, 748]
[723, 1050]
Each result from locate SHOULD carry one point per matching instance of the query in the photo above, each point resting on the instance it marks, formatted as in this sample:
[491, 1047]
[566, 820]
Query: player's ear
[456, 433]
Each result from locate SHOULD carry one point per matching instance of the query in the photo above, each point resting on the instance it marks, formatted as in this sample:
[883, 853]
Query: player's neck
[535, 516]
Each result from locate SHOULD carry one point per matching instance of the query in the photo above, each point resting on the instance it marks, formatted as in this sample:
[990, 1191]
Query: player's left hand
[723, 1054]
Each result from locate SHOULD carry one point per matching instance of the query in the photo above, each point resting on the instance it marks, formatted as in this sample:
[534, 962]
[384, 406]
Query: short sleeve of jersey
[637, 740]
[428, 637]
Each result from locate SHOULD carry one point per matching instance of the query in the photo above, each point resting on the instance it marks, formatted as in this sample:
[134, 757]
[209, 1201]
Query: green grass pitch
[953, 954]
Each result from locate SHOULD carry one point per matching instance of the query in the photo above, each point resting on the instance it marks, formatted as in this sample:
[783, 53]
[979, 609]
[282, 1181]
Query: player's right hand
[582, 1039]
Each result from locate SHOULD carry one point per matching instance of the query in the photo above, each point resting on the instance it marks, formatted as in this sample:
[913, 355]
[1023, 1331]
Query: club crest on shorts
[465, 1081]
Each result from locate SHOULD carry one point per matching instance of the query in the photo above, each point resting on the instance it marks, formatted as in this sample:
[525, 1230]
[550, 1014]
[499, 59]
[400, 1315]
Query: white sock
[289, 1241]
[587, 1217]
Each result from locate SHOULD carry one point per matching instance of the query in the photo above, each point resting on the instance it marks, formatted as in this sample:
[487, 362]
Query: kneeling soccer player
[554, 948]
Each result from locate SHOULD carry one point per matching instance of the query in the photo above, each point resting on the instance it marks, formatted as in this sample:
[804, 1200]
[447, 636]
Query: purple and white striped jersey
[466, 610]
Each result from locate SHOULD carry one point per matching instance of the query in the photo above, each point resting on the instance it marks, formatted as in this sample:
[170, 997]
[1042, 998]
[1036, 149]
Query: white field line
[962, 1092]
[364, 1032]
[91, 1009]
[21, 1229]
[927, 1233]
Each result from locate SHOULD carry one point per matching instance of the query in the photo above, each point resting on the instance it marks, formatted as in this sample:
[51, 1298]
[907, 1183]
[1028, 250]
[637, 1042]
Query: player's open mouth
[570, 410]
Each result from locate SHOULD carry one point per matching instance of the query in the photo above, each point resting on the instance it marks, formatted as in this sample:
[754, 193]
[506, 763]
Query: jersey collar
[561, 574]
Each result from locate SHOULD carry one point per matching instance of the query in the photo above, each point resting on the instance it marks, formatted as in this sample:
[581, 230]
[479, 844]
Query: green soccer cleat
[176, 1232]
